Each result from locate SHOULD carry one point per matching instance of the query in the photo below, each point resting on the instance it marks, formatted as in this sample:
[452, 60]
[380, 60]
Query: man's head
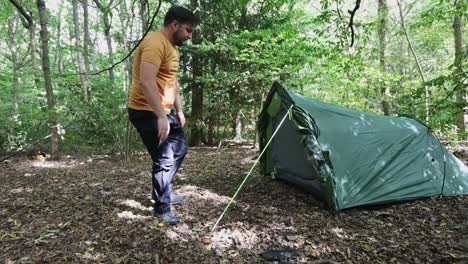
[181, 22]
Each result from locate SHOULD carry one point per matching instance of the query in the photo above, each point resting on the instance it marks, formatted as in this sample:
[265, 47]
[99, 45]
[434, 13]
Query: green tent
[350, 158]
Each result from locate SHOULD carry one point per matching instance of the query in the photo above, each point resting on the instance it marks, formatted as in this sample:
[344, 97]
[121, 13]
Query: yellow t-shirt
[156, 49]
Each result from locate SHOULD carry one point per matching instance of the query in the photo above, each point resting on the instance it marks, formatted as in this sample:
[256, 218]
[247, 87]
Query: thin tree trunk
[107, 26]
[89, 51]
[131, 35]
[86, 37]
[52, 119]
[196, 134]
[238, 126]
[109, 48]
[254, 121]
[213, 62]
[426, 88]
[58, 55]
[460, 50]
[12, 28]
[79, 52]
[211, 131]
[218, 126]
[197, 103]
[126, 71]
[33, 50]
[143, 16]
[29, 24]
[383, 29]
[125, 67]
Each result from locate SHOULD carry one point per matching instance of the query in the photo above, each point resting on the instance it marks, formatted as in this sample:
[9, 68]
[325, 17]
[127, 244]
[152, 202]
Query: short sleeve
[152, 51]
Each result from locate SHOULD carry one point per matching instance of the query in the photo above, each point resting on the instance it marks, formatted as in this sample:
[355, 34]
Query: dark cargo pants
[167, 156]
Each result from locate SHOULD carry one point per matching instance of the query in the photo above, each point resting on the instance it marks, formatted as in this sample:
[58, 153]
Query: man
[154, 94]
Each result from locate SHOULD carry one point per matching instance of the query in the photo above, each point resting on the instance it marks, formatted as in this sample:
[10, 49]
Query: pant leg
[162, 177]
[178, 144]
[162, 156]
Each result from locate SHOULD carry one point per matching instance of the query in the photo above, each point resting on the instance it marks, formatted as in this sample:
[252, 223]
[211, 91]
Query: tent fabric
[351, 158]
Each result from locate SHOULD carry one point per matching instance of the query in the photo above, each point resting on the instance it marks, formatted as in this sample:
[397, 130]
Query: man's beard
[179, 41]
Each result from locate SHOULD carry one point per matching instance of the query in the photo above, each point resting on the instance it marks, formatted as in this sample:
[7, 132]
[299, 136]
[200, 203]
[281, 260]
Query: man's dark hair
[182, 15]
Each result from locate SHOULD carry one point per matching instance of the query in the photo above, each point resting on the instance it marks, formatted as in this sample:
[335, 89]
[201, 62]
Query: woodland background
[56, 97]
[405, 57]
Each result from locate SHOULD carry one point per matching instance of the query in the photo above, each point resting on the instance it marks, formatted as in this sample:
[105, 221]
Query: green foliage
[441, 10]
[243, 3]
[97, 125]
[244, 47]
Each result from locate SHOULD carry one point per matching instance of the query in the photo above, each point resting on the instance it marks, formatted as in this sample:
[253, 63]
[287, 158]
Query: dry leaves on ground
[98, 210]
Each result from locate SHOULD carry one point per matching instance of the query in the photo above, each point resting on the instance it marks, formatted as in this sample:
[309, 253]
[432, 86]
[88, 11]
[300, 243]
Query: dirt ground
[98, 210]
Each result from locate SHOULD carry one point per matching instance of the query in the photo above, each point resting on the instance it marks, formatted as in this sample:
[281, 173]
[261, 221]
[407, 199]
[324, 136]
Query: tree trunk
[79, 52]
[238, 127]
[30, 25]
[211, 128]
[460, 50]
[212, 108]
[143, 16]
[109, 48]
[32, 47]
[384, 89]
[426, 89]
[12, 28]
[107, 26]
[87, 47]
[126, 66]
[196, 134]
[58, 55]
[218, 126]
[197, 103]
[52, 120]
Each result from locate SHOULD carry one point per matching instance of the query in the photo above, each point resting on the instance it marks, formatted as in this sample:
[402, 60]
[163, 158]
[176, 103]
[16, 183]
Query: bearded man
[155, 106]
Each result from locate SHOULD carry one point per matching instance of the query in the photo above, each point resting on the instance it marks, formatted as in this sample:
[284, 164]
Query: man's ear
[175, 25]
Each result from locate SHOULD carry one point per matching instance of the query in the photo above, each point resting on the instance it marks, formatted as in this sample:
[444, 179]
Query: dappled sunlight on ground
[236, 236]
[128, 215]
[228, 238]
[54, 164]
[132, 204]
[89, 255]
[197, 193]
[41, 162]
[22, 190]
[100, 211]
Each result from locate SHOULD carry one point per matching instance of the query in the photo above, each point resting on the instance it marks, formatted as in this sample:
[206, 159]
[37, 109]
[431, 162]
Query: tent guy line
[251, 169]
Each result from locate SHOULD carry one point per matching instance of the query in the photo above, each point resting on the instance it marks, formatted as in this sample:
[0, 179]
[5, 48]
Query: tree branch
[351, 20]
[22, 11]
[338, 12]
[7, 56]
[129, 53]
[99, 5]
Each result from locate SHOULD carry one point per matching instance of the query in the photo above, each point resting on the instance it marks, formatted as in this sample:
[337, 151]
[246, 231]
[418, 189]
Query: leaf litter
[98, 210]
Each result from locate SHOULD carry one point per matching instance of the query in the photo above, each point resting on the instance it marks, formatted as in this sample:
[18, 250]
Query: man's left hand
[181, 117]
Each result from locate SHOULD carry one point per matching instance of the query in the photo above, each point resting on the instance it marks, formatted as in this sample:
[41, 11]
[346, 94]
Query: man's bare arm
[150, 90]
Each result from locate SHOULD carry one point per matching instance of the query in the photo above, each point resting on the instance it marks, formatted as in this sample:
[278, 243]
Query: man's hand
[163, 128]
[181, 117]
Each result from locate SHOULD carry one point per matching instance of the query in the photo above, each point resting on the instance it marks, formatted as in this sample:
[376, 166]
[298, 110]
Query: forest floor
[98, 210]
